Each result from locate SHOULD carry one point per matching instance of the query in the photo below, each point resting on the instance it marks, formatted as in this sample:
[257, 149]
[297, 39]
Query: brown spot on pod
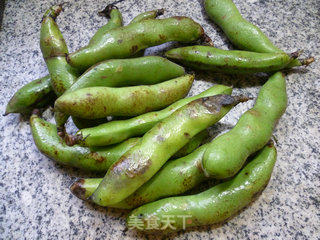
[78, 190]
[96, 156]
[254, 112]
[187, 181]
[179, 18]
[162, 37]
[139, 170]
[134, 49]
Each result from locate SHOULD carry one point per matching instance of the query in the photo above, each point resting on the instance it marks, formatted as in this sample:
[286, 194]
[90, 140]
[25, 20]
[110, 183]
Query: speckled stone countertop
[35, 202]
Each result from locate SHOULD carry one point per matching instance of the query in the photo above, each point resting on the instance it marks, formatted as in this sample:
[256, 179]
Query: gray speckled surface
[35, 202]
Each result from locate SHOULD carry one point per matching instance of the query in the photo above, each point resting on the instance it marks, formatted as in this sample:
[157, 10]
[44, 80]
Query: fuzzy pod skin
[239, 31]
[117, 131]
[175, 177]
[30, 95]
[147, 15]
[215, 205]
[128, 72]
[128, 40]
[99, 102]
[225, 61]
[227, 153]
[141, 162]
[90, 159]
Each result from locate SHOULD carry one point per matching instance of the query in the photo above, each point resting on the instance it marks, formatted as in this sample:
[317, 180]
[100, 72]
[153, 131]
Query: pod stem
[159, 12]
[241, 98]
[61, 131]
[74, 139]
[307, 61]
[53, 12]
[304, 62]
[107, 10]
[206, 40]
[296, 54]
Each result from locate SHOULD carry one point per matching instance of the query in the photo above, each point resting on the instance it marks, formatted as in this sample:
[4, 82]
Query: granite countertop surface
[35, 202]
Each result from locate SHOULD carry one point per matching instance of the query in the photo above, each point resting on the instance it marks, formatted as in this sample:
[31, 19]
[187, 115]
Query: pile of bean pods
[154, 149]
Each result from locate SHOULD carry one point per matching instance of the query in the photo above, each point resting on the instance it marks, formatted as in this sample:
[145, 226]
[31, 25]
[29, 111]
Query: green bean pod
[212, 206]
[126, 41]
[175, 177]
[227, 153]
[147, 15]
[31, 95]
[90, 159]
[97, 159]
[239, 31]
[128, 72]
[225, 61]
[117, 131]
[141, 162]
[98, 102]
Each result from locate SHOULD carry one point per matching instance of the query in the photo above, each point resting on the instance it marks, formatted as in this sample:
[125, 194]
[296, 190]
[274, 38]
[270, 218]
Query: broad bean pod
[227, 153]
[226, 61]
[90, 159]
[147, 15]
[117, 131]
[115, 20]
[54, 50]
[175, 177]
[212, 206]
[98, 102]
[128, 40]
[128, 72]
[35, 94]
[142, 161]
[96, 159]
[241, 32]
